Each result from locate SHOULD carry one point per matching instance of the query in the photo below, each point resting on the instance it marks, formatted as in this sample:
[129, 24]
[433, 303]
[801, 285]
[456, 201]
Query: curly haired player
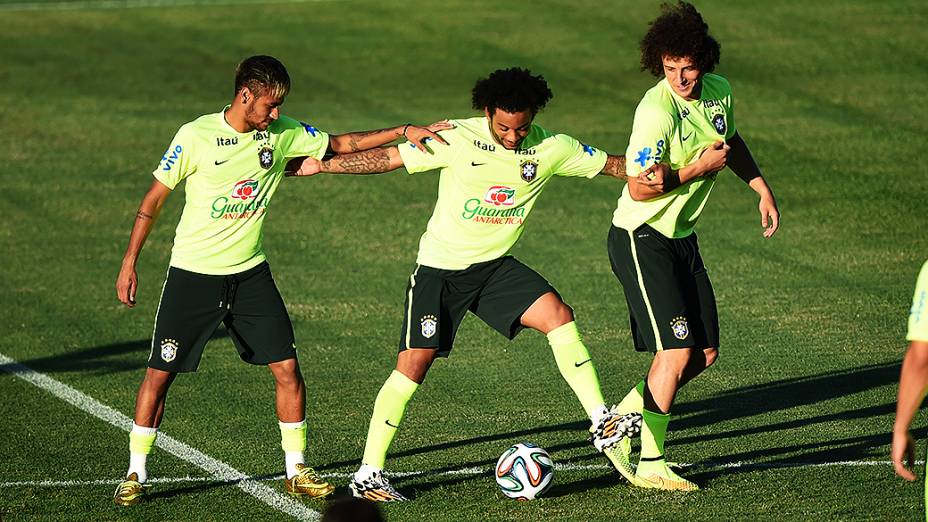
[492, 171]
[687, 121]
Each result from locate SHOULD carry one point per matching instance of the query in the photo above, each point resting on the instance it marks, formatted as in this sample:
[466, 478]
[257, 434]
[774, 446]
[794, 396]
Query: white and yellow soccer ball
[524, 471]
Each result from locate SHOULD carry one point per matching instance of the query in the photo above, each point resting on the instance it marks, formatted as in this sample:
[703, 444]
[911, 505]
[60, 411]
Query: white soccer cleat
[614, 427]
[375, 488]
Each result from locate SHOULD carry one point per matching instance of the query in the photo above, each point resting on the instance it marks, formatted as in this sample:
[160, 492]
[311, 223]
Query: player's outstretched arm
[743, 165]
[127, 280]
[373, 161]
[366, 140]
[913, 384]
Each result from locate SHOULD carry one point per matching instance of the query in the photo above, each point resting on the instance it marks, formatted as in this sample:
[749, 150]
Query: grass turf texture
[826, 96]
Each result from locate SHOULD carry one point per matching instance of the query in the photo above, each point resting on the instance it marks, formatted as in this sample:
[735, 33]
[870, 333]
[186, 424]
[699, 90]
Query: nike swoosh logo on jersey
[684, 138]
[579, 364]
[220, 162]
[475, 164]
[391, 425]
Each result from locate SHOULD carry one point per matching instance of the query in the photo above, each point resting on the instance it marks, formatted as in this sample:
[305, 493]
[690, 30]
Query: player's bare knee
[157, 381]
[712, 355]
[287, 373]
[414, 363]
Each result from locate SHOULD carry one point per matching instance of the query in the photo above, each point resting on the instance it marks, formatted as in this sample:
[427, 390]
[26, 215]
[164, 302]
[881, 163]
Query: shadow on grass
[99, 360]
[739, 403]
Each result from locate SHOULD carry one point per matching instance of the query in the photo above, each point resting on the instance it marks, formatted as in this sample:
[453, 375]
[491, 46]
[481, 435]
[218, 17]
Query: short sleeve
[178, 160]
[306, 140]
[918, 315]
[648, 144]
[438, 155]
[579, 159]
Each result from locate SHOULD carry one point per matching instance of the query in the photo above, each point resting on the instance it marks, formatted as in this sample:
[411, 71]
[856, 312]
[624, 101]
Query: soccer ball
[524, 471]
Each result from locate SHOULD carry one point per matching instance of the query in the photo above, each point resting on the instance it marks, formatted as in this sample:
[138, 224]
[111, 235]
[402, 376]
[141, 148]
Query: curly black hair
[679, 32]
[512, 90]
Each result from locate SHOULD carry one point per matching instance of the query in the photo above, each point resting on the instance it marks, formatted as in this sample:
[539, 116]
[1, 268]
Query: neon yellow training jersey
[231, 178]
[486, 192]
[673, 130]
[918, 316]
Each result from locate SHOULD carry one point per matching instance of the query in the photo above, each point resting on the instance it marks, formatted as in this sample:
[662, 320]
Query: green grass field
[828, 97]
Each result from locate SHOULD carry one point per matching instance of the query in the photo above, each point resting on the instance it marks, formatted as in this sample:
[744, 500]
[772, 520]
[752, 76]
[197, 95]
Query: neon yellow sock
[293, 436]
[634, 401]
[293, 442]
[141, 440]
[576, 366]
[653, 432]
[388, 413]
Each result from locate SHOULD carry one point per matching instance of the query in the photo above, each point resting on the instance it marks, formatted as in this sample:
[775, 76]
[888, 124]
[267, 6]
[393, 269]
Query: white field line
[217, 470]
[463, 471]
[82, 5]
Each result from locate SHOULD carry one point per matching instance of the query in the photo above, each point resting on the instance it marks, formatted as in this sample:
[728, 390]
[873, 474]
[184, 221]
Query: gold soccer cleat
[130, 491]
[307, 483]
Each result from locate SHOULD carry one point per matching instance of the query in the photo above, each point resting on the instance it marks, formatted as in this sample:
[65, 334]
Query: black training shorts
[670, 299]
[498, 292]
[192, 306]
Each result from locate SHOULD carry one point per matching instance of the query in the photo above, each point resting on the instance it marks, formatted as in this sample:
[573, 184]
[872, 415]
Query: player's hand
[658, 177]
[440, 125]
[903, 454]
[769, 215]
[418, 135]
[126, 283]
[714, 157]
[306, 166]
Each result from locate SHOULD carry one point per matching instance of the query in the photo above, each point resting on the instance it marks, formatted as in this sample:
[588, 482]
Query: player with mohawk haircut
[493, 169]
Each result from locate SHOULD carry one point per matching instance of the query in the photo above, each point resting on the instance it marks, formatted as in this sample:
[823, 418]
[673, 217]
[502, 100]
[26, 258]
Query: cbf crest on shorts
[528, 169]
[679, 327]
[429, 324]
[168, 350]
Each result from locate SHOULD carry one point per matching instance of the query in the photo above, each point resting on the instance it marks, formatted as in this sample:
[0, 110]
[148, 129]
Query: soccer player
[232, 161]
[492, 171]
[913, 381]
[686, 120]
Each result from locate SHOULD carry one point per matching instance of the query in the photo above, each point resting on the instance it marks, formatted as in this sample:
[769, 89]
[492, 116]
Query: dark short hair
[512, 90]
[679, 32]
[262, 75]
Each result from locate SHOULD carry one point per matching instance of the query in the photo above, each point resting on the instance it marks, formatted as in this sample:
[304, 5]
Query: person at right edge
[913, 382]
[687, 121]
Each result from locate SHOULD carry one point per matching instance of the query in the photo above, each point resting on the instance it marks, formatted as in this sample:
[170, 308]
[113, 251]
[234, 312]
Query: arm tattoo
[370, 161]
[142, 215]
[354, 143]
[615, 166]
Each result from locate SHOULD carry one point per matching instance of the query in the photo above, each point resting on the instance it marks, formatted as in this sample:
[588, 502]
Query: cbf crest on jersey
[719, 121]
[266, 156]
[429, 324]
[528, 169]
[168, 350]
